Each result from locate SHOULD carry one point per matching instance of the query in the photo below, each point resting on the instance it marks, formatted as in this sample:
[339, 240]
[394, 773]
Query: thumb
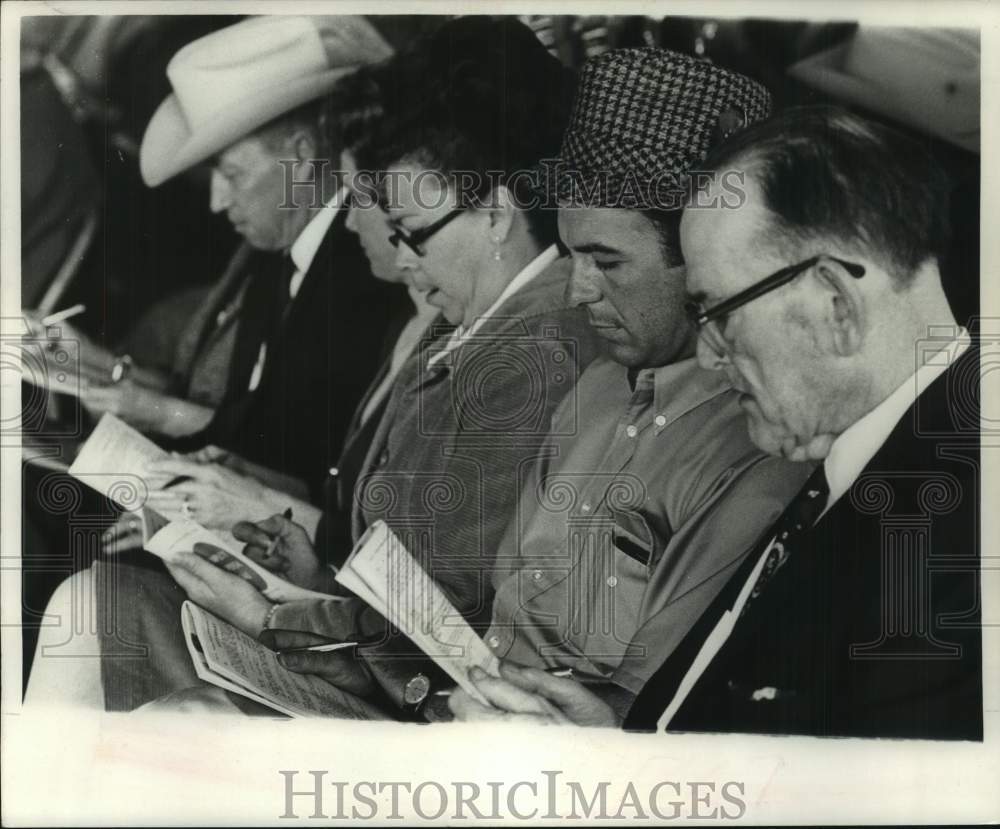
[276, 526]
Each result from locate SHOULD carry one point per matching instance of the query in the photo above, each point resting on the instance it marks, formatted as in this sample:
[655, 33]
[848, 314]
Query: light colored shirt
[646, 499]
[526, 275]
[848, 456]
[302, 253]
[307, 243]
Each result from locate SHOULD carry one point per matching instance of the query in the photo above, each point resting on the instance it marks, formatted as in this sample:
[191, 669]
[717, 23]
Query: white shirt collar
[527, 274]
[303, 249]
[857, 445]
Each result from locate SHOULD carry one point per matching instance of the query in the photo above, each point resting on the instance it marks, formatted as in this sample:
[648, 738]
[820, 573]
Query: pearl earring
[497, 255]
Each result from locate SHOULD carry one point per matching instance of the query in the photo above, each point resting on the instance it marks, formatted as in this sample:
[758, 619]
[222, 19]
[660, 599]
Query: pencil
[60, 316]
[569, 673]
[325, 648]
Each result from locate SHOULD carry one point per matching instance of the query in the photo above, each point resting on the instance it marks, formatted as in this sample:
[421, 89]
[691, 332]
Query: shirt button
[612, 581]
[537, 575]
[333, 471]
[660, 420]
[631, 431]
[494, 641]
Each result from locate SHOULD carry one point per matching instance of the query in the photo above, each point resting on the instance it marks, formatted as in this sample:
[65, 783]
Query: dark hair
[827, 173]
[478, 95]
[310, 117]
[668, 225]
[353, 107]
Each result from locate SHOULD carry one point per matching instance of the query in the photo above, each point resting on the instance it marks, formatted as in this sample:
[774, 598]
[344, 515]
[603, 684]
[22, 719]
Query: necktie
[275, 315]
[663, 687]
[284, 298]
[801, 514]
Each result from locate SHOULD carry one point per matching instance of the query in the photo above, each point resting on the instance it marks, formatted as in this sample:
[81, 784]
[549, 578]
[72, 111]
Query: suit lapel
[206, 326]
[904, 452]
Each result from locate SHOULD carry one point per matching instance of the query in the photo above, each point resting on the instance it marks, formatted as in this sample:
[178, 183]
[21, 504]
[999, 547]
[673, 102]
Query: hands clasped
[531, 696]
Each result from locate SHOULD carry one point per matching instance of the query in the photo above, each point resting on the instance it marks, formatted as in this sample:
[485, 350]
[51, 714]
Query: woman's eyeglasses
[708, 322]
[415, 239]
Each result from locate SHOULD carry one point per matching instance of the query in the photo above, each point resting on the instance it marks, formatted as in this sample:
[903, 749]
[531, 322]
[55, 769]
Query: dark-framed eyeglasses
[706, 320]
[414, 240]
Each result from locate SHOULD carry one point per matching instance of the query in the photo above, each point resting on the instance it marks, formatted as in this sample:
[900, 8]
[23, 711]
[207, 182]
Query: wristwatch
[415, 693]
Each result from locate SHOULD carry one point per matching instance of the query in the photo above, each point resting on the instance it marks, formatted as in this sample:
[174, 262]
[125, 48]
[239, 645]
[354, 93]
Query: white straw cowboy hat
[233, 81]
[925, 78]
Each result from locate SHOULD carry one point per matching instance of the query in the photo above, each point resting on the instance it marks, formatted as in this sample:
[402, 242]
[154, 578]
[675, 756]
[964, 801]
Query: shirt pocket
[633, 537]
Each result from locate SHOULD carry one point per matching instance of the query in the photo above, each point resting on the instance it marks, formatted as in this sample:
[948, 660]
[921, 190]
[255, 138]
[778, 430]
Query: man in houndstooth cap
[645, 502]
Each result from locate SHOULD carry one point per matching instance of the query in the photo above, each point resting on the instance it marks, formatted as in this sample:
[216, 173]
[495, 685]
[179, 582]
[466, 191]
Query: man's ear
[502, 210]
[304, 145]
[843, 309]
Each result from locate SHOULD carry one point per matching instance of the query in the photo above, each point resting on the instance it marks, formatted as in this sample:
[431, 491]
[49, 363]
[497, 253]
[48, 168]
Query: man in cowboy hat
[298, 309]
[297, 321]
[649, 491]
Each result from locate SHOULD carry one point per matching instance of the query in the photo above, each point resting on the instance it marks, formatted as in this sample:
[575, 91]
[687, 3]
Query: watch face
[416, 690]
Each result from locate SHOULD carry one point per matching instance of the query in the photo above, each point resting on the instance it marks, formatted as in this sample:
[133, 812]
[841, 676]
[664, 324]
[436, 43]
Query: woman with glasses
[466, 116]
[469, 114]
[469, 412]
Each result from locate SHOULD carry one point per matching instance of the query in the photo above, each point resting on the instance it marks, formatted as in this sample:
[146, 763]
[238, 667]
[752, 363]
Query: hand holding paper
[381, 571]
[531, 695]
[341, 667]
[228, 596]
[293, 555]
[185, 538]
[116, 460]
[229, 659]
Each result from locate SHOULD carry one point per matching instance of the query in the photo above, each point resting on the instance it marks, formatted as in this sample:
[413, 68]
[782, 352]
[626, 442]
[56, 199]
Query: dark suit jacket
[871, 628]
[318, 364]
[333, 535]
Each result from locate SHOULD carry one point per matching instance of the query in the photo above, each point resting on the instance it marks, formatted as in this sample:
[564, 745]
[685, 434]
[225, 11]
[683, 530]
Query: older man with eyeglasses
[858, 613]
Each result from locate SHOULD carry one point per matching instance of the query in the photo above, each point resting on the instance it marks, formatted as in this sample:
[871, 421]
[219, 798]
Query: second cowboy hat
[927, 79]
[233, 81]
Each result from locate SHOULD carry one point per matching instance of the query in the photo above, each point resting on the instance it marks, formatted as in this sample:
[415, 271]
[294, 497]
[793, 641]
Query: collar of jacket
[545, 294]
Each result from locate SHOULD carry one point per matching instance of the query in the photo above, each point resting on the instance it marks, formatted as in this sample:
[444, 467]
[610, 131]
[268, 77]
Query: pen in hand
[324, 648]
[583, 679]
[287, 514]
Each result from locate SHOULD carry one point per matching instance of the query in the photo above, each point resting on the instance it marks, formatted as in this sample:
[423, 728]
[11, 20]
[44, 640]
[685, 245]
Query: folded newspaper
[114, 461]
[226, 657]
[381, 571]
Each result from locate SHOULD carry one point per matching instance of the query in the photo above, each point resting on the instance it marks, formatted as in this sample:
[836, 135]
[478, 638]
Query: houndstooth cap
[642, 120]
